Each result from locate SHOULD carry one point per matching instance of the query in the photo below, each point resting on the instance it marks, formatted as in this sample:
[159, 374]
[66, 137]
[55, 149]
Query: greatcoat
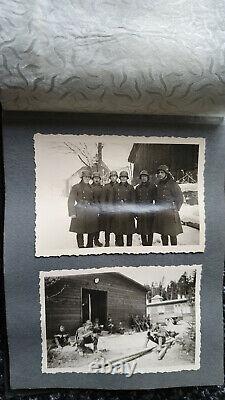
[97, 189]
[145, 194]
[108, 206]
[169, 199]
[124, 201]
[82, 209]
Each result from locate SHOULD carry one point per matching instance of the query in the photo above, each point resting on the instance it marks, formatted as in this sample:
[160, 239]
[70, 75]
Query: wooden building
[178, 157]
[73, 299]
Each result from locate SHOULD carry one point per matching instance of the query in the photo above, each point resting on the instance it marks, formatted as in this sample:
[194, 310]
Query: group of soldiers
[87, 333]
[140, 323]
[114, 208]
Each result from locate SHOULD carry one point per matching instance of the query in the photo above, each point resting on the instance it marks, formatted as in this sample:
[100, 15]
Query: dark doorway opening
[94, 305]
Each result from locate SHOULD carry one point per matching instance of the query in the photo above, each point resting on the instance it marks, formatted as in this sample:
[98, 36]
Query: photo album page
[114, 251]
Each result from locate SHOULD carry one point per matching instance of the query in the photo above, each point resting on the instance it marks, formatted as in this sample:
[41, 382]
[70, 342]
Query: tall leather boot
[119, 240]
[129, 240]
[173, 240]
[150, 239]
[90, 240]
[107, 239]
[80, 240]
[165, 240]
[96, 240]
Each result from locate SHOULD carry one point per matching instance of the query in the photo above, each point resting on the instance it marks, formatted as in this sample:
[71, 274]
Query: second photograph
[121, 320]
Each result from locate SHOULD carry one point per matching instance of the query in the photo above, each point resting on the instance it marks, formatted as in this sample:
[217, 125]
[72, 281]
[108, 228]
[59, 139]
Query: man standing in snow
[84, 218]
[97, 193]
[108, 208]
[169, 199]
[145, 194]
[124, 200]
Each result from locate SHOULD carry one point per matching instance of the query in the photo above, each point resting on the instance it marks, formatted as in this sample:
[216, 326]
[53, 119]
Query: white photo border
[198, 248]
[68, 272]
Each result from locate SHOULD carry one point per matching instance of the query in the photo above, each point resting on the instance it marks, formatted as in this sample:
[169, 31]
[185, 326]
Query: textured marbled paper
[151, 57]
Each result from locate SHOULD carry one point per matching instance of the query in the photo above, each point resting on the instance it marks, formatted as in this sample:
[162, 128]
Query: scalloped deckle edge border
[199, 248]
[72, 272]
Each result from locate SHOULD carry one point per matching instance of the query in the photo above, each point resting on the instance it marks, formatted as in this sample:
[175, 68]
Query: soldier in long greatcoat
[82, 210]
[169, 199]
[145, 194]
[98, 196]
[124, 199]
[108, 206]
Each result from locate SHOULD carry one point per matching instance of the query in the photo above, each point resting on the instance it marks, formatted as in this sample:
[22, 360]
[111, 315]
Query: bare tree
[53, 288]
[81, 151]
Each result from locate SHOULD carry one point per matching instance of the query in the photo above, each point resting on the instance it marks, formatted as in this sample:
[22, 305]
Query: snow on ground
[189, 213]
[113, 347]
[53, 236]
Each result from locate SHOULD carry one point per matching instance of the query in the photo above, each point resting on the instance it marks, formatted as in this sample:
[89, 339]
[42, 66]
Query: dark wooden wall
[63, 303]
[175, 156]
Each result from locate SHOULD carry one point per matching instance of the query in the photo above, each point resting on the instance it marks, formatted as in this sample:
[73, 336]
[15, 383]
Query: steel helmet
[96, 174]
[124, 173]
[144, 172]
[113, 173]
[163, 168]
[86, 173]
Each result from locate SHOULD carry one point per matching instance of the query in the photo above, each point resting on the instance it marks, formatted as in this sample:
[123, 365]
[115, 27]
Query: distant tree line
[184, 287]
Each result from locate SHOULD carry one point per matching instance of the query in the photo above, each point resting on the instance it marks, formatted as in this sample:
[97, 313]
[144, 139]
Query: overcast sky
[147, 275]
[57, 163]
[144, 275]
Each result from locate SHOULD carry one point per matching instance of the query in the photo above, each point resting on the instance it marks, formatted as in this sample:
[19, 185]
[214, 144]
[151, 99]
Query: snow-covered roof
[162, 303]
[157, 296]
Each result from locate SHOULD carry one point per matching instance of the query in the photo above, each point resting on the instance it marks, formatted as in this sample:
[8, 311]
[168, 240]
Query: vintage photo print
[119, 194]
[122, 320]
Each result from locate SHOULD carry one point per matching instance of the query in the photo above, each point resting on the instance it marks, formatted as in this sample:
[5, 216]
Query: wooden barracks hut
[73, 299]
[177, 156]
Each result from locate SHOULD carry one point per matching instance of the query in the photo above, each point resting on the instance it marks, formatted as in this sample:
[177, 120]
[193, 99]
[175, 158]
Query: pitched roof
[122, 276]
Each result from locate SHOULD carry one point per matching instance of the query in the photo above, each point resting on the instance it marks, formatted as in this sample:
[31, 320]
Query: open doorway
[94, 305]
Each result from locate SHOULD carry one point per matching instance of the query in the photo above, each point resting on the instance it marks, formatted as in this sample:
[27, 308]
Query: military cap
[124, 173]
[86, 174]
[163, 168]
[113, 173]
[144, 172]
[96, 174]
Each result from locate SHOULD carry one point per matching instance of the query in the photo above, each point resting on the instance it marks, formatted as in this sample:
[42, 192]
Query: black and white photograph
[118, 194]
[123, 320]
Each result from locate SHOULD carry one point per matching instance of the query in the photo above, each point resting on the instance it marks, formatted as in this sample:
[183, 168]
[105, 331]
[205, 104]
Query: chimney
[100, 147]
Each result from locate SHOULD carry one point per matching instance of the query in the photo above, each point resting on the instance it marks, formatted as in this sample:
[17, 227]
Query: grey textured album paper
[100, 294]
[140, 56]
